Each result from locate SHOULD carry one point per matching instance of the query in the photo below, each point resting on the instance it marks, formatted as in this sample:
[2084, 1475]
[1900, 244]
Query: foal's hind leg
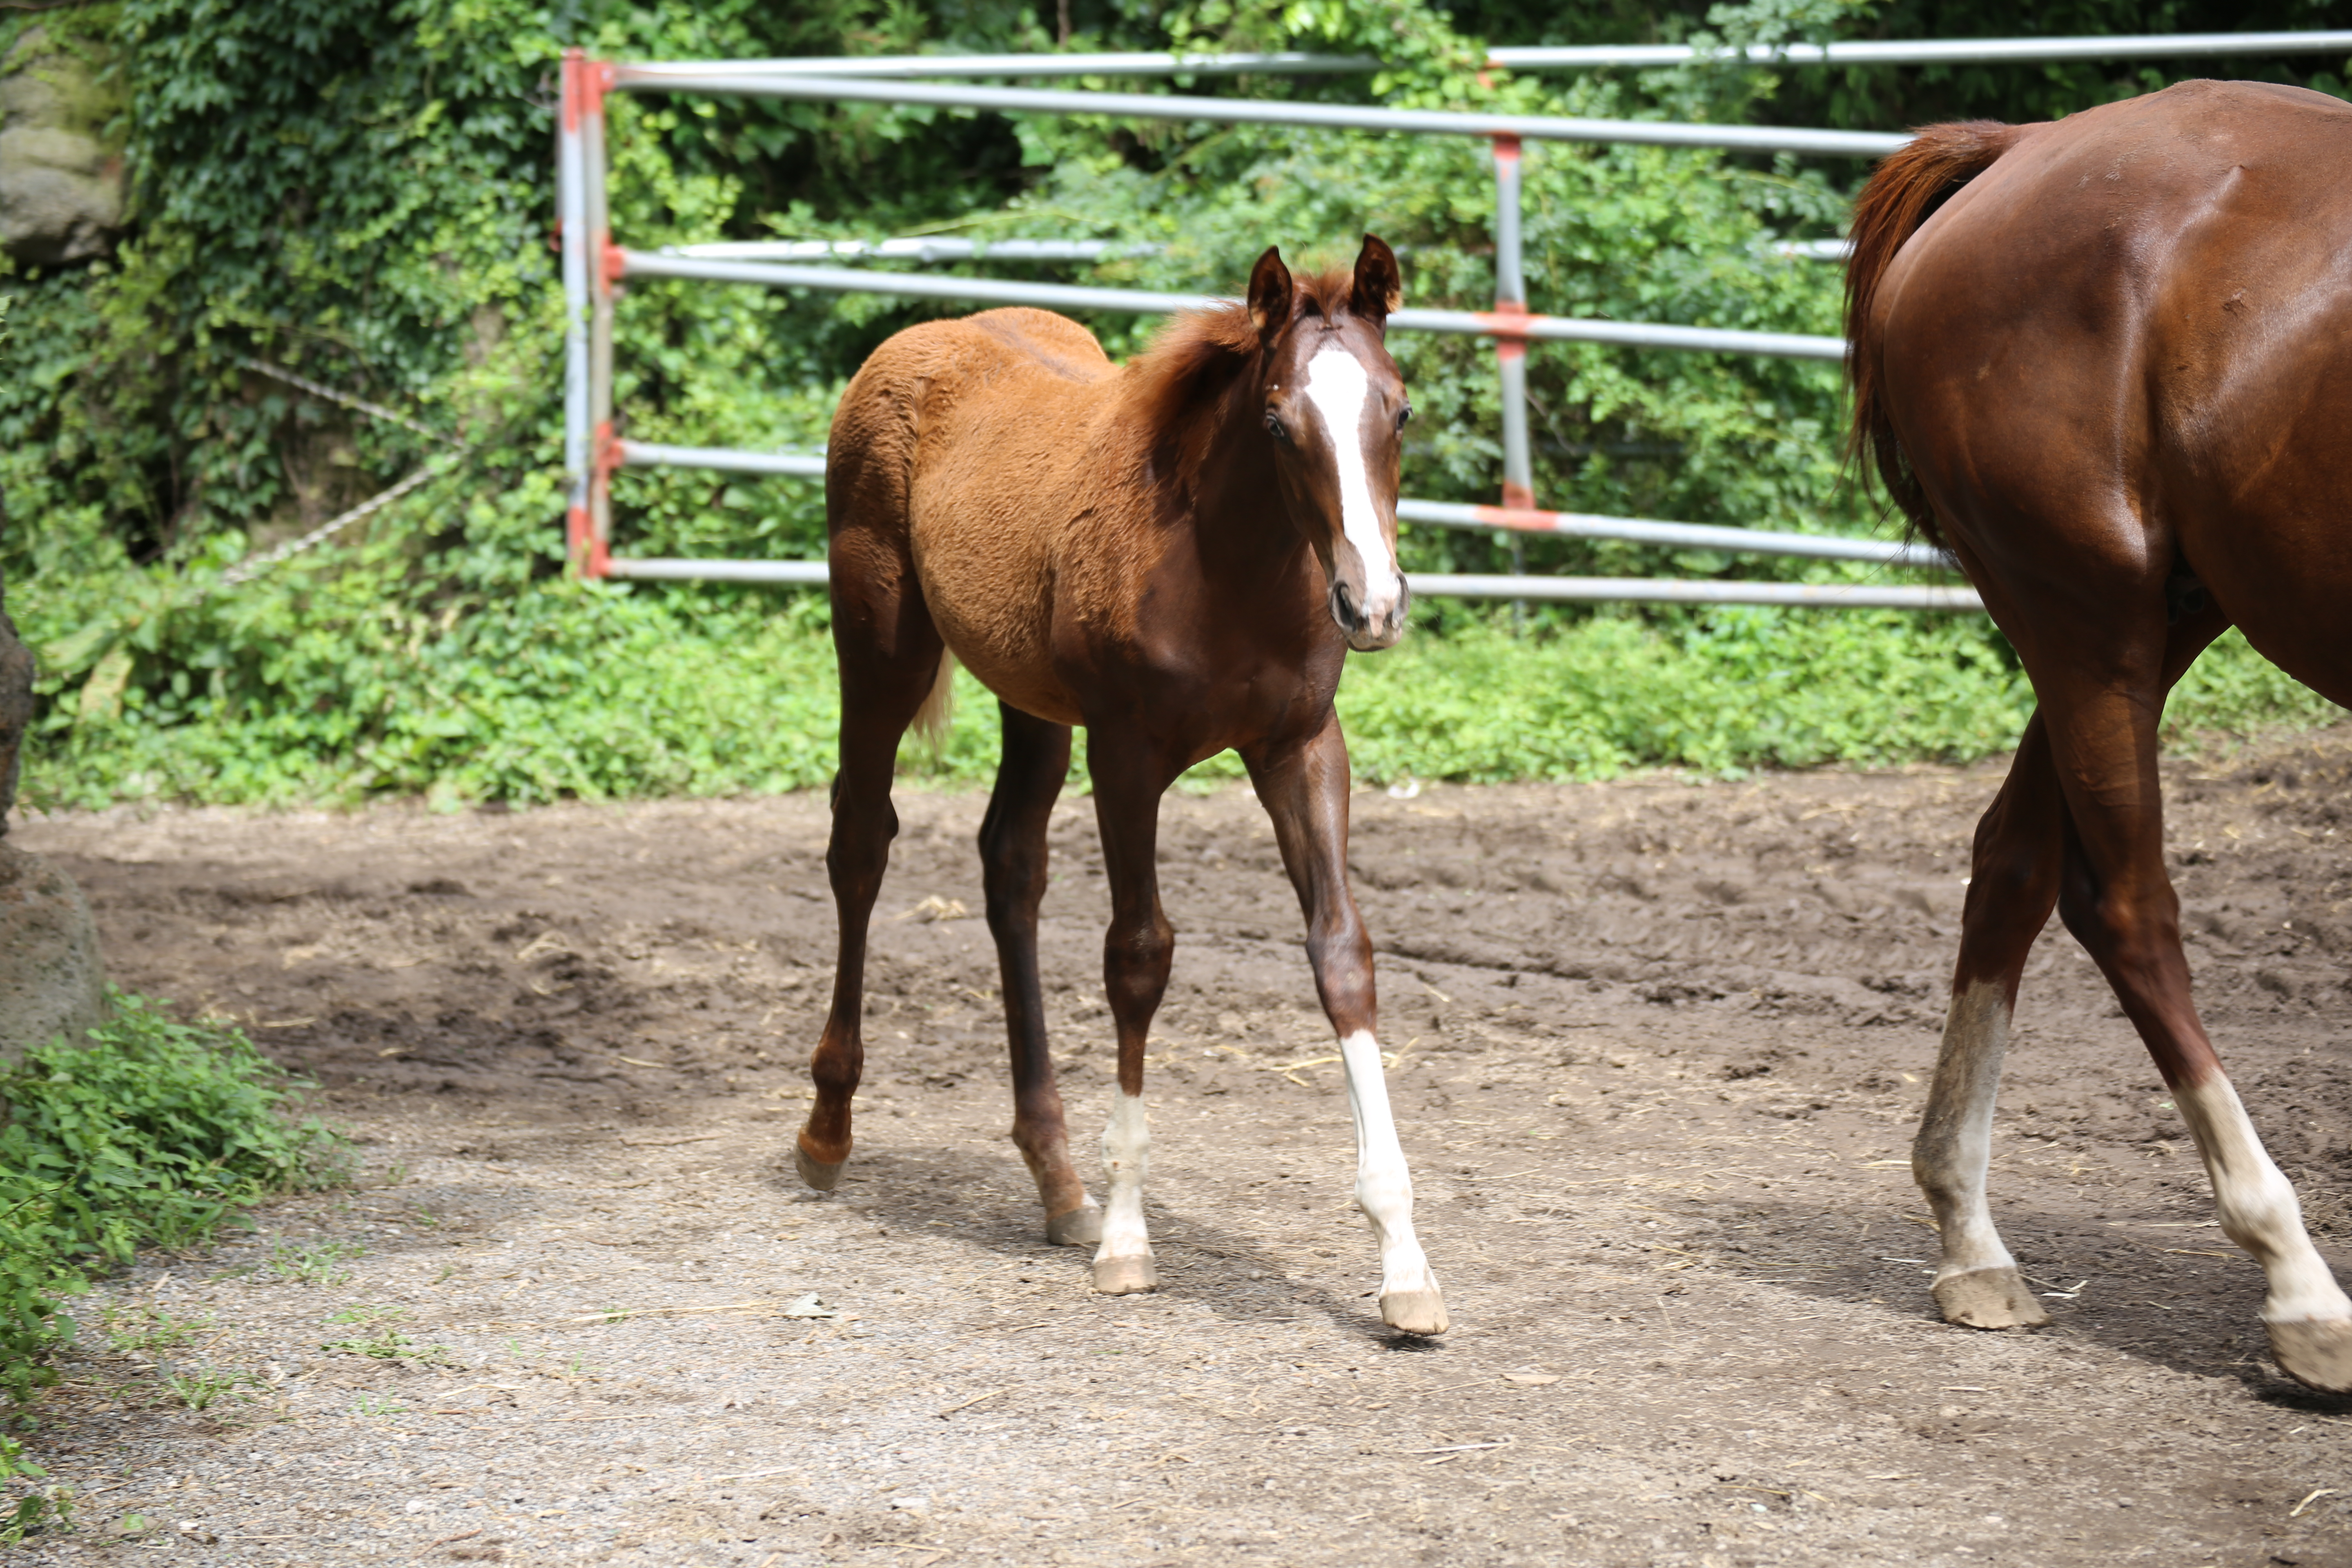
[2117, 899]
[1035, 758]
[889, 655]
[1306, 793]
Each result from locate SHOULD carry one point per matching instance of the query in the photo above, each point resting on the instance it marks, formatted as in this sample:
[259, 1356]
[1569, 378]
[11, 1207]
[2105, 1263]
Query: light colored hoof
[2316, 1354]
[1125, 1276]
[1989, 1298]
[816, 1173]
[1081, 1226]
[1414, 1311]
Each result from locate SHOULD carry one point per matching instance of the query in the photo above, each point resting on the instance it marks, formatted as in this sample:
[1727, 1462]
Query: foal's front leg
[1137, 951]
[1305, 791]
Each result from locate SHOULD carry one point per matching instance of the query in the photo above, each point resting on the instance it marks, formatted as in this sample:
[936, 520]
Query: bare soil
[1660, 1046]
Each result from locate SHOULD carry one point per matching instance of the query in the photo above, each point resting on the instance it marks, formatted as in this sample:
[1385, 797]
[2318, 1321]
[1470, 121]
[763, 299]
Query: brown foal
[2108, 362]
[1177, 555]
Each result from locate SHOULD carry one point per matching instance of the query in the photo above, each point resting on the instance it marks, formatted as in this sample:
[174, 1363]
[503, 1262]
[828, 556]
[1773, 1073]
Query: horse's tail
[1904, 190]
[933, 717]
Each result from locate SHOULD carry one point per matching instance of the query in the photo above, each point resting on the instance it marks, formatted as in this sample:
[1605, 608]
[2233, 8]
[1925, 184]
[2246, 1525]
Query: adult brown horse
[2108, 362]
[1177, 555]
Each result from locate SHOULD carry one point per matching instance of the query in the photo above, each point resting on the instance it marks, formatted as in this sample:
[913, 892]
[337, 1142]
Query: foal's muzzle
[1372, 626]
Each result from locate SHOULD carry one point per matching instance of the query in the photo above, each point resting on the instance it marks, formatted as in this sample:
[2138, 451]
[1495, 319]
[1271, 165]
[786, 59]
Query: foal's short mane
[1194, 361]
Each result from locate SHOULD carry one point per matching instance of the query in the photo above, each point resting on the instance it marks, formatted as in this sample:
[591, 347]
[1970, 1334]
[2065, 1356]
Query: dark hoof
[816, 1173]
[1989, 1298]
[2316, 1354]
[1081, 1226]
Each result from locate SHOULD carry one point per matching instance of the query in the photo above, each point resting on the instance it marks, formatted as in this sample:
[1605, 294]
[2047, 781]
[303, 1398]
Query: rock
[60, 179]
[50, 980]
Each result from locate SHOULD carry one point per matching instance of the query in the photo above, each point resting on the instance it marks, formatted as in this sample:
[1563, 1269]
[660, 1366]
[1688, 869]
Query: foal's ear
[1269, 294]
[1379, 287]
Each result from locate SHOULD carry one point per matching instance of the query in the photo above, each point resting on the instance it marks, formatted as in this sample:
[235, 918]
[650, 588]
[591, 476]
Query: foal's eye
[1404, 415]
[1274, 426]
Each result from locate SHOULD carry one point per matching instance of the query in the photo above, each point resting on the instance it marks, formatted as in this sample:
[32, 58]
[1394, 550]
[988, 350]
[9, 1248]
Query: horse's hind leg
[889, 655]
[1036, 758]
[2117, 899]
[1306, 793]
[2024, 846]
[2012, 886]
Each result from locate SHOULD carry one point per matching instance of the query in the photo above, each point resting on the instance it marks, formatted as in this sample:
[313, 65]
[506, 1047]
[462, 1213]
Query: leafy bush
[361, 190]
[146, 1131]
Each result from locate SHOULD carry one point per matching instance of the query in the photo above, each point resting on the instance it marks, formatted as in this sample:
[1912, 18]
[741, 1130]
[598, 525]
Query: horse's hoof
[1125, 1276]
[1989, 1298]
[2316, 1354]
[1414, 1311]
[1081, 1226]
[816, 1173]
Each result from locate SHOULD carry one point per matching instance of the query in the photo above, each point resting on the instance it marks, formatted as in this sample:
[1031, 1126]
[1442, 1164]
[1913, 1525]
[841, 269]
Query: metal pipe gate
[594, 266]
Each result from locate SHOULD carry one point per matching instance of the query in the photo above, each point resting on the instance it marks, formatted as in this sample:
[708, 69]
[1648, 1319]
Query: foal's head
[1335, 409]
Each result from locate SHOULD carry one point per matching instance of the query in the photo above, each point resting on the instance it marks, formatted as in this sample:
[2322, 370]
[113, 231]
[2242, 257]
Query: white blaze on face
[1339, 389]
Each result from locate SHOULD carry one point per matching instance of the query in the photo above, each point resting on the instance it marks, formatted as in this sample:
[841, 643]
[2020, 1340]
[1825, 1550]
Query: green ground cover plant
[147, 1132]
[361, 190]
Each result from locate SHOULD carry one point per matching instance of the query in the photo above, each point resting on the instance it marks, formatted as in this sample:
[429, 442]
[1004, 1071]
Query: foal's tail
[933, 717]
[1904, 190]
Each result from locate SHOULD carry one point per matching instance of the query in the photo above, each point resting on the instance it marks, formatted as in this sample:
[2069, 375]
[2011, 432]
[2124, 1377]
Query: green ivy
[146, 1131]
[361, 190]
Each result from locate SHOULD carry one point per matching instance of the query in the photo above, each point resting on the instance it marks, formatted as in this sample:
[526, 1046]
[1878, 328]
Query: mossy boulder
[60, 161]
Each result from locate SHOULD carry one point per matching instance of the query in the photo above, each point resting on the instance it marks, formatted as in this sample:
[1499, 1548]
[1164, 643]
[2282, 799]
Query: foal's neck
[1234, 495]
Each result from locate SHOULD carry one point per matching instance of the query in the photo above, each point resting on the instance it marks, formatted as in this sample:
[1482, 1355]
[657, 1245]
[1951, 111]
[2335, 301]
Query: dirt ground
[1660, 1046]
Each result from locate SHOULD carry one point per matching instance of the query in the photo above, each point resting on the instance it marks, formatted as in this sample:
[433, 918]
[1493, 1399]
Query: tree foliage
[361, 191]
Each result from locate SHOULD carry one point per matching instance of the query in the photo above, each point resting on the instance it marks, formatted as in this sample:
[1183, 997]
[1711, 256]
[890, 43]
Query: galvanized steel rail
[1264, 111]
[1845, 52]
[1578, 590]
[597, 452]
[1141, 302]
[1933, 52]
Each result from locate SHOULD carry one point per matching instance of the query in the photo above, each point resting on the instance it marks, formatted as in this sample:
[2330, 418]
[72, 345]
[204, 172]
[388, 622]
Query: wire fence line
[254, 565]
[320, 389]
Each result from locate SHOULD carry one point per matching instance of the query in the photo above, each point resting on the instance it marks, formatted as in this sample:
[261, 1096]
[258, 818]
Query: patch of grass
[363, 1313]
[615, 696]
[319, 1265]
[37, 1506]
[375, 1406]
[389, 1346]
[146, 1131]
[146, 1329]
[200, 1388]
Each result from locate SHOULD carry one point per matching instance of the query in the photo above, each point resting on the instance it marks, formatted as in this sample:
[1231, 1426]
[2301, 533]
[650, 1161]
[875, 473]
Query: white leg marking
[2258, 1208]
[1383, 1187]
[1338, 387]
[1955, 1140]
[1127, 1157]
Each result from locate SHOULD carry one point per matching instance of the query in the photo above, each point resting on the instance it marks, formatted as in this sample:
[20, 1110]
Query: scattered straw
[968, 1403]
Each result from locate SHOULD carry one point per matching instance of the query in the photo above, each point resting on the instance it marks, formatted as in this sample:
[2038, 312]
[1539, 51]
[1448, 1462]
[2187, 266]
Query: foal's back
[965, 445]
